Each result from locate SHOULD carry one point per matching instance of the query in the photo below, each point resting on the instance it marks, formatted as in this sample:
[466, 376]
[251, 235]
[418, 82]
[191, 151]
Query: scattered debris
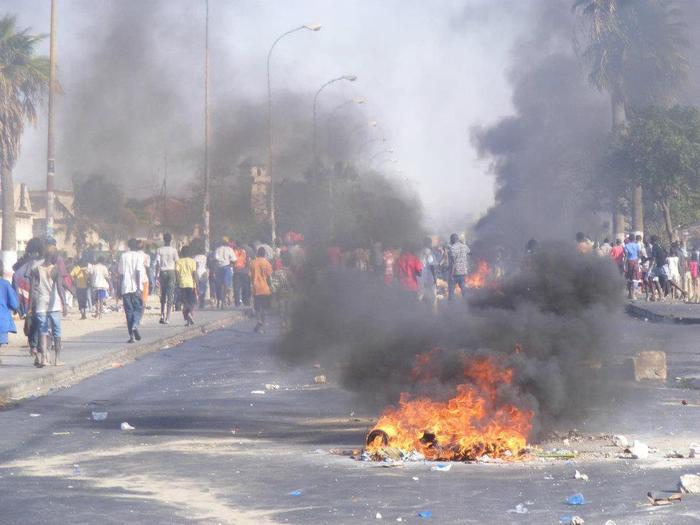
[295, 493]
[694, 450]
[317, 365]
[571, 520]
[620, 441]
[442, 468]
[610, 522]
[639, 450]
[258, 392]
[320, 379]
[674, 454]
[650, 365]
[415, 478]
[117, 365]
[689, 484]
[99, 416]
[127, 426]
[555, 454]
[658, 500]
[378, 515]
[684, 402]
[61, 433]
[576, 499]
[425, 514]
[519, 509]
[34, 415]
[76, 470]
[578, 475]
[271, 386]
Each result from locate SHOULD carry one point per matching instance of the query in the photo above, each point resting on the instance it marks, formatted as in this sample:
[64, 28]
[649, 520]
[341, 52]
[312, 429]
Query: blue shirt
[632, 251]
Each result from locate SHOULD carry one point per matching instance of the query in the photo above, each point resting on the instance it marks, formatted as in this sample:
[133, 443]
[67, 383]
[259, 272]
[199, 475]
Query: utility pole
[165, 191]
[51, 146]
[206, 213]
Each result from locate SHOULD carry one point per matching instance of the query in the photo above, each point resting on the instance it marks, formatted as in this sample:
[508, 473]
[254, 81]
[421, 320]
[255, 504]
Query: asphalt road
[207, 450]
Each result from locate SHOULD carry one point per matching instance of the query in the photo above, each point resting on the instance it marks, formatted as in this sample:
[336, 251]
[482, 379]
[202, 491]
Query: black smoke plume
[560, 310]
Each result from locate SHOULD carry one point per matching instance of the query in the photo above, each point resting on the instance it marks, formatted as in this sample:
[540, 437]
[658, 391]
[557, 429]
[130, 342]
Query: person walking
[200, 260]
[408, 270]
[166, 256]
[428, 280]
[241, 277]
[8, 304]
[131, 270]
[100, 279]
[80, 278]
[260, 274]
[145, 282]
[458, 253]
[225, 258]
[632, 254]
[48, 301]
[186, 275]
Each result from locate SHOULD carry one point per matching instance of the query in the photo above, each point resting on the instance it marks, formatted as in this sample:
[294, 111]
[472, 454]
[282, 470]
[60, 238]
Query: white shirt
[146, 265]
[129, 264]
[99, 276]
[201, 262]
[166, 257]
[224, 256]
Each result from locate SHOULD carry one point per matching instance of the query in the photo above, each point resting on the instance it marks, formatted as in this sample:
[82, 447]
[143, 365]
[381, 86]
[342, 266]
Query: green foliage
[24, 80]
[661, 151]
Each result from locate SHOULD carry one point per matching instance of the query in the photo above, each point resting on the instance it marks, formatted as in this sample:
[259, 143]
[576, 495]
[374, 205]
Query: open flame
[473, 423]
[479, 277]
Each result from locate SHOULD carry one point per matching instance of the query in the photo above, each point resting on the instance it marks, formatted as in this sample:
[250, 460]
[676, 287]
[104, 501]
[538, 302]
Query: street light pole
[349, 78]
[273, 222]
[374, 157]
[368, 142]
[206, 210]
[51, 145]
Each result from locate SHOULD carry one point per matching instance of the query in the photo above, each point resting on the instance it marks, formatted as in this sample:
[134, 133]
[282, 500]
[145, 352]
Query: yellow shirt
[80, 277]
[260, 272]
[183, 270]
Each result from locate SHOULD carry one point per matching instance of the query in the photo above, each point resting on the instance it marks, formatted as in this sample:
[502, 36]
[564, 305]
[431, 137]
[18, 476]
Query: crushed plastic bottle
[76, 470]
[576, 499]
[425, 514]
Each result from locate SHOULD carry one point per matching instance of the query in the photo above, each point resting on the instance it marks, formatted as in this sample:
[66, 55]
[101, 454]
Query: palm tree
[24, 79]
[637, 43]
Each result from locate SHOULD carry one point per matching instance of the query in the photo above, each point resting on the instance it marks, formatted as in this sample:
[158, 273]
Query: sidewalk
[91, 346]
[661, 312]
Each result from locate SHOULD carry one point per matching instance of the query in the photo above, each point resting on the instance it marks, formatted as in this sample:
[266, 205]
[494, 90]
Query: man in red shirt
[617, 253]
[408, 269]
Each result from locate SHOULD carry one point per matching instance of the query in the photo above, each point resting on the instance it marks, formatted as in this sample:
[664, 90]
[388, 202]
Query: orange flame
[469, 425]
[478, 278]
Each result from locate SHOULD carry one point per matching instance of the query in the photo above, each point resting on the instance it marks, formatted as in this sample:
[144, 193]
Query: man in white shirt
[225, 257]
[166, 257]
[130, 271]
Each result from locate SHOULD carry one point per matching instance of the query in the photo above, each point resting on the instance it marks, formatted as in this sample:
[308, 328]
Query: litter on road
[441, 468]
[127, 426]
[689, 483]
[579, 475]
[576, 499]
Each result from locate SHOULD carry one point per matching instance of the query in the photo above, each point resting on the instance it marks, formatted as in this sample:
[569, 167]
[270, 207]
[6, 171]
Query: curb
[69, 375]
[647, 315]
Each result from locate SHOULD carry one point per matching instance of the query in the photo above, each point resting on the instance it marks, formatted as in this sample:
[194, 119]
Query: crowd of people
[659, 272]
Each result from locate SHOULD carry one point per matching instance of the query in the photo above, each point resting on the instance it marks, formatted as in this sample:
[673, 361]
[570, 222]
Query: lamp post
[307, 27]
[358, 100]
[368, 142]
[349, 78]
[50, 149]
[384, 161]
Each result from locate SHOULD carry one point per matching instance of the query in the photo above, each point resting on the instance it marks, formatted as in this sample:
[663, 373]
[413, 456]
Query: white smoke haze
[131, 72]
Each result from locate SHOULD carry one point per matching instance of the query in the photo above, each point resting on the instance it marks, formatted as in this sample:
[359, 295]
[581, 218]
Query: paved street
[183, 463]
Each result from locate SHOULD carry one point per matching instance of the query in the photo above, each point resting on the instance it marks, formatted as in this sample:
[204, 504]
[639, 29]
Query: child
[80, 279]
[8, 304]
[99, 275]
[186, 280]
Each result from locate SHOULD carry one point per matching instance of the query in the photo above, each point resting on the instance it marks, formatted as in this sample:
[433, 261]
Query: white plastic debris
[258, 392]
[34, 415]
[519, 509]
[378, 515]
[694, 450]
[689, 483]
[620, 441]
[610, 522]
[320, 379]
[271, 386]
[126, 426]
[577, 520]
[639, 450]
[415, 478]
[99, 416]
[441, 468]
[579, 475]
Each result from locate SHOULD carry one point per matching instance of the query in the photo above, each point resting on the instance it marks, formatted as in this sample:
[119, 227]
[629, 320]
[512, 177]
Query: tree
[661, 153]
[24, 79]
[636, 53]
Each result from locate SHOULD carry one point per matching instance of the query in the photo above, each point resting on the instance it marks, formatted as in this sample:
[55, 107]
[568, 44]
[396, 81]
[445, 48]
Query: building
[64, 218]
[24, 216]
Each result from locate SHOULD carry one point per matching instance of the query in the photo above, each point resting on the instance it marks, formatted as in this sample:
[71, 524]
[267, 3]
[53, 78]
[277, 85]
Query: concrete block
[650, 365]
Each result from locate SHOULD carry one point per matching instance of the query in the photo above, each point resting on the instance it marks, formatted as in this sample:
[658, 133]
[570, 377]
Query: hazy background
[131, 72]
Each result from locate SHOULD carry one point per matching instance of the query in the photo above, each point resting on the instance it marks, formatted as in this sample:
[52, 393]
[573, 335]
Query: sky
[429, 72]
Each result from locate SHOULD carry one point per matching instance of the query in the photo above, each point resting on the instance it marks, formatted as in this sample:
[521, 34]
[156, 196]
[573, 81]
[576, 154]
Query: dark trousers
[133, 308]
[456, 280]
[241, 288]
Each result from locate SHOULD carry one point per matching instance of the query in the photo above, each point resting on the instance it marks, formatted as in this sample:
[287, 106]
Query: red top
[335, 256]
[617, 253]
[408, 267]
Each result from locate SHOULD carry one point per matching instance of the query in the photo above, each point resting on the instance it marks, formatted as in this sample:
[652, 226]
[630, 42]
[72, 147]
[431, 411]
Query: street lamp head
[390, 150]
[312, 27]
[372, 123]
[350, 78]
[359, 100]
